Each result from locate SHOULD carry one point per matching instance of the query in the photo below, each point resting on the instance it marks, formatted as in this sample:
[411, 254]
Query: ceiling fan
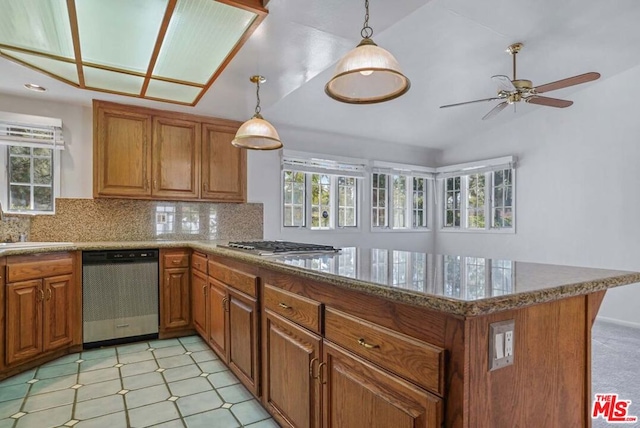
[514, 90]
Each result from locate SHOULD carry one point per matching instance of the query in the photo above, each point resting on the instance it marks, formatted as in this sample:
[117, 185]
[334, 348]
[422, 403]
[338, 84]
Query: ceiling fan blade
[469, 102]
[549, 102]
[503, 83]
[570, 81]
[494, 111]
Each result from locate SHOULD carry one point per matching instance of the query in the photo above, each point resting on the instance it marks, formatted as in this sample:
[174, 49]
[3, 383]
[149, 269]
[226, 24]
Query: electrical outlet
[501, 344]
[161, 218]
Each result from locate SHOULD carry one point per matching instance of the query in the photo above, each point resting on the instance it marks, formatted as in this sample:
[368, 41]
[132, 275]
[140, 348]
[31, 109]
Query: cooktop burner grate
[280, 247]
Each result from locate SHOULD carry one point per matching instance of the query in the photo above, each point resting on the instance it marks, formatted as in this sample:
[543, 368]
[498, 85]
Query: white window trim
[463, 170]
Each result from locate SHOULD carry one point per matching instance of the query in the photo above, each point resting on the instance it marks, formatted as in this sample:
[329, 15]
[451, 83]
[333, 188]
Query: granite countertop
[466, 286]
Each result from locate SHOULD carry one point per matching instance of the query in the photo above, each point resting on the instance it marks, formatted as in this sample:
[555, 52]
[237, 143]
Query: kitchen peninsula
[376, 337]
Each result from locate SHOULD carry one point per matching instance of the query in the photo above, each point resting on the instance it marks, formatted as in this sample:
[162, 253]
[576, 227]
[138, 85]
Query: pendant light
[256, 133]
[367, 74]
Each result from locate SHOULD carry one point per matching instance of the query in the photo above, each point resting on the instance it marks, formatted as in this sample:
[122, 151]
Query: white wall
[577, 186]
[76, 178]
[265, 181]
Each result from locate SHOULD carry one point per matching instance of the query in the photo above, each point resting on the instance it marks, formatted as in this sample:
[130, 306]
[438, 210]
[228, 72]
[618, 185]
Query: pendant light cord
[258, 96]
[366, 31]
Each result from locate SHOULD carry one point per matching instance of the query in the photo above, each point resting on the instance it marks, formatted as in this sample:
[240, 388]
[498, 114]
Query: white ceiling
[449, 49]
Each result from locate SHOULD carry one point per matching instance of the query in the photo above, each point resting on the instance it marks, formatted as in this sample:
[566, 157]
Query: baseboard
[619, 322]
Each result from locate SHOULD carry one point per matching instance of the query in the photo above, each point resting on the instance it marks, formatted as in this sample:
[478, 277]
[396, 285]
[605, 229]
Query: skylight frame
[254, 7]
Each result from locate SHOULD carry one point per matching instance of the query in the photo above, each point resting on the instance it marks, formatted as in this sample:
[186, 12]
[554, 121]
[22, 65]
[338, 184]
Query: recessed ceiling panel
[172, 91]
[201, 34]
[62, 69]
[112, 81]
[36, 25]
[119, 33]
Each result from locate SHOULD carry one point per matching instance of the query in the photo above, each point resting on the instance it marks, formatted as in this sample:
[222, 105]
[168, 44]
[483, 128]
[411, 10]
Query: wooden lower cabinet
[38, 317]
[217, 318]
[291, 357]
[198, 301]
[357, 393]
[242, 351]
[176, 305]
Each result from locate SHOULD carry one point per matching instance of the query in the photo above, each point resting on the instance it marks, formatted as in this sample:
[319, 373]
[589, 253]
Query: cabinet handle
[204, 186]
[225, 304]
[49, 294]
[204, 290]
[313, 360]
[40, 295]
[321, 378]
[175, 262]
[362, 342]
[155, 184]
[284, 305]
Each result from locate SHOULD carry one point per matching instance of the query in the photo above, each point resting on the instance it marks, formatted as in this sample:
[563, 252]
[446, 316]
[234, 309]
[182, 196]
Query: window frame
[334, 198]
[408, 207]
[488, 204]
[4, 172]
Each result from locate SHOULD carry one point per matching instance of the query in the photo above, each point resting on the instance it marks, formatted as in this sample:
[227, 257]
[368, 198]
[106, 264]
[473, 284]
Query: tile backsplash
[85, 220]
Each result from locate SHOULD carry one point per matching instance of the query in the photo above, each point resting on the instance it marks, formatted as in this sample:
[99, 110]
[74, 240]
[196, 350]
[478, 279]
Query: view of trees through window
[452, 202]
[475, 201]
[30, 173]
[320, 201]
[294, 198]
[502, 198]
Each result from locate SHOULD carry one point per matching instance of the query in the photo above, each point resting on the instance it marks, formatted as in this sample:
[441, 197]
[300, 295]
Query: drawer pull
[176, 262]
[49, 293]
[313, 360]
[284, 305]
[362, 342]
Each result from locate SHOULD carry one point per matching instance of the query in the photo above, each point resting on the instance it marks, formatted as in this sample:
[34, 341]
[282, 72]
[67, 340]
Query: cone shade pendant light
[368, 74]
[256, 133]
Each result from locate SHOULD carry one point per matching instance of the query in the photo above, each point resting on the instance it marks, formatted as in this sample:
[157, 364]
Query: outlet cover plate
[495, 329]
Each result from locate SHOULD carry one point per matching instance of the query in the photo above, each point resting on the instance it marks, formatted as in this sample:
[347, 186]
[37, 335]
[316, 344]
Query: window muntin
[379, 200]
[321, 201]
[30, 183]
[476, 201]
[347, 193]
[452, 202]
[502, 209]
[419, 202]
[294, 199]
[399, 201]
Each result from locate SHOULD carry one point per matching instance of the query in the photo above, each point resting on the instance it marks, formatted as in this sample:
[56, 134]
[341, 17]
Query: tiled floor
[164, 383]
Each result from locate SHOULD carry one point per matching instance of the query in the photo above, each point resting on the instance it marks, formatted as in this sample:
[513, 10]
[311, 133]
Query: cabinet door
[176, 305]
[224, 167]
[291, 358]
[243, 339]
[176, 156]
[217, 318]
[198, 302]
[357, 393]
[2, 310]
[122, 153]
[58, 298]
[24, 320]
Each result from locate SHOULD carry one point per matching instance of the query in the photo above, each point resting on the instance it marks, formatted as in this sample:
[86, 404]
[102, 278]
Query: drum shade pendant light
[256, 133]
[367, 74]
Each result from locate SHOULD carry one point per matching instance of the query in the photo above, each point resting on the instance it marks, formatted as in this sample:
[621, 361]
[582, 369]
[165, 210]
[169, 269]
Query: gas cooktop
[270, 248]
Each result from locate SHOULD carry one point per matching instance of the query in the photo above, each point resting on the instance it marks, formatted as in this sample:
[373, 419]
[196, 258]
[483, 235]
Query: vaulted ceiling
[449, 49]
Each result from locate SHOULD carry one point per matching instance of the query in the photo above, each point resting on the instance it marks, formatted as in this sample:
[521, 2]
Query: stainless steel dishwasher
[119, 296]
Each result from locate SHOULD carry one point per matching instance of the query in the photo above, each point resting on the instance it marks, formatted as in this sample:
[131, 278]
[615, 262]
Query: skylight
[164, 50]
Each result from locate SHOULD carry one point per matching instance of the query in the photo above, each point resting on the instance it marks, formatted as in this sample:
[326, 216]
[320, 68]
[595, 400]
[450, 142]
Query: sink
[17, 245]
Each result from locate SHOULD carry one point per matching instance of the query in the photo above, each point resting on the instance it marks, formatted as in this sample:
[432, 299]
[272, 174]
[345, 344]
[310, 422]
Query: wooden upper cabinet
[122, 153]
[224, 167]
[176, 154]
[141, 153]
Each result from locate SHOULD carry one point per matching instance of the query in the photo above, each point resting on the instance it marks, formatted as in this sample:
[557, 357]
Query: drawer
[180, 259]
[199, 262]
[241, 281]
[416, 361]
[293, 307]
[37, 268]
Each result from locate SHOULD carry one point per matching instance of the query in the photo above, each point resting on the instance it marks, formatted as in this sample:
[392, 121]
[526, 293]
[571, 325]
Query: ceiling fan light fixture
[257, 133]
[367, 74]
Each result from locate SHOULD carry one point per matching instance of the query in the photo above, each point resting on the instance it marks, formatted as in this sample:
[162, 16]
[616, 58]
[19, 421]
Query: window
[481, 200]
[30, 172]
[294, 197]
[29, 162]
[404, 195]
[320, 194]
